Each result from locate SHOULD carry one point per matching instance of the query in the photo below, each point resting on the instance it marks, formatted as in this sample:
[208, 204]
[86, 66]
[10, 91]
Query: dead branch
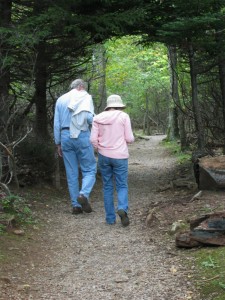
[14, 144]
[196, 196]
[5, 188]
[11, 158]
[8, 152]
[209, 279]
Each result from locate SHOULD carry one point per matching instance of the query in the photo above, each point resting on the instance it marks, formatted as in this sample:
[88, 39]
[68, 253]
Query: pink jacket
[111, 132]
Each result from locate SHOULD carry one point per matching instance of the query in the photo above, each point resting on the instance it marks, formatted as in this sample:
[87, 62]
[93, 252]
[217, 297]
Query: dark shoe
[77, 210]
[124, 217]
[83, 201]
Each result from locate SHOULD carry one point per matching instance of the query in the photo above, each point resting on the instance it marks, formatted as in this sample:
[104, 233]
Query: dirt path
[80, 257]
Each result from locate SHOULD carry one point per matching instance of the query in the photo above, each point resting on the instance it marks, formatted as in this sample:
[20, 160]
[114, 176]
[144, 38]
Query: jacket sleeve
[94, 134]
[129, 137]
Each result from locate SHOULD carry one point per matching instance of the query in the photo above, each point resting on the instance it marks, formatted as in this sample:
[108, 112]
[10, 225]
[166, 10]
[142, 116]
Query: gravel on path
[76, 257]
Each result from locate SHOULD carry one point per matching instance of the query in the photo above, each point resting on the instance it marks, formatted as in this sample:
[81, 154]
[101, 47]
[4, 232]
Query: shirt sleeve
[89, 118]
[94, 134]
[129, 137]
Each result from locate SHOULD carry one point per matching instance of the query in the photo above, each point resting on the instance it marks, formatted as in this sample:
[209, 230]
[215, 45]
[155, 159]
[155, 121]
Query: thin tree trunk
[147, 122]
[99, 68]
[177, 114]
[172, 132]
[221, 66]
[144, 122]
[41, 121]
[40, 73]
[195, 102]
[102, 84]
[5, 20]
[222, 86]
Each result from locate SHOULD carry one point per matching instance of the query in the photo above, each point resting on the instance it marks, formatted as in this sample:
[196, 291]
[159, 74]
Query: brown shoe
[83, 201]
[77, 210]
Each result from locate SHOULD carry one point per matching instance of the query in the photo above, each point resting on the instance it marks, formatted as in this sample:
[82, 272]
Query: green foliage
[17, 207]
[209, 272]
[174, 148]
[210, 263]
[2, 230]
[138, 73]
[222, 285]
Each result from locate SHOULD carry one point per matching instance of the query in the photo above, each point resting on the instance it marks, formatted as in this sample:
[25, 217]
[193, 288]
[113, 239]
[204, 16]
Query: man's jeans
[78, 152]
[113, 169]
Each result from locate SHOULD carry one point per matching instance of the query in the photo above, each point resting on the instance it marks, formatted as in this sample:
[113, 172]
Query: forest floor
[65, 256]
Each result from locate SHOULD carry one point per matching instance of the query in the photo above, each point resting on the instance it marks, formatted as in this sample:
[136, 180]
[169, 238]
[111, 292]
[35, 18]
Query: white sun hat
[114, 101]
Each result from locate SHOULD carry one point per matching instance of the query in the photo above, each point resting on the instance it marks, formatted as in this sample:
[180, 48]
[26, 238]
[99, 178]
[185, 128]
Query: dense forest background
[165, 58]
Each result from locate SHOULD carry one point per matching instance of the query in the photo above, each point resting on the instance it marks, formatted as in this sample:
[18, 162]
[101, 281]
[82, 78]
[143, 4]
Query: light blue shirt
[63, 115]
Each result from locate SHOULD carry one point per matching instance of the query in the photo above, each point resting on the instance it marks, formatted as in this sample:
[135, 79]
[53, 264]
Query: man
[73, 115]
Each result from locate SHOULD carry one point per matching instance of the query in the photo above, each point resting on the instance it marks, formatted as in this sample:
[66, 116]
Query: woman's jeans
[78, 152]
[113, 169]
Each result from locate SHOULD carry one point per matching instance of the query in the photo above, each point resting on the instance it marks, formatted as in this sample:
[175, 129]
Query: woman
[110, 134]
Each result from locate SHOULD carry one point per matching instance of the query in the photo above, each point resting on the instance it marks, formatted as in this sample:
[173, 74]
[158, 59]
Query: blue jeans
[114, 170]
[78, 152]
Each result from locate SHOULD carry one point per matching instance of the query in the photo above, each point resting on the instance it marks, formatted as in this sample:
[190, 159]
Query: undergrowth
[209, 262]
[174, 149]
[15, 212]
[209, 275]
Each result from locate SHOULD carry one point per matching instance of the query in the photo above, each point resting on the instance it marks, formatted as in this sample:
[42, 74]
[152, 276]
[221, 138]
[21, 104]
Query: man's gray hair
[78, 82]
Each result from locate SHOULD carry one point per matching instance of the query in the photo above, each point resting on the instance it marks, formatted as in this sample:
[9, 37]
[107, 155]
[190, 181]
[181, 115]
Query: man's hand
[59, 150]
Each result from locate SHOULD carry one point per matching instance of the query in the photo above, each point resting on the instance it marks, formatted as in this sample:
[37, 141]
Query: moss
[210, 272]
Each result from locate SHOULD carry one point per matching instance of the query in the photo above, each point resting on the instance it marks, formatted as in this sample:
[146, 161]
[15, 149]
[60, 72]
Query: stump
[211, 173]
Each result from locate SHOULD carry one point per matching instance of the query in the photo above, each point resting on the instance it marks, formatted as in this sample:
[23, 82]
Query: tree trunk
[177, 114]
[40, 82]
[5, 20]
[99, 68]
[176, 122]
[222, 85]
[221, 66]
[195, 102]
[144, 122]
[41, 120]
[147, 130]
[172, 120]
[102, 84]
